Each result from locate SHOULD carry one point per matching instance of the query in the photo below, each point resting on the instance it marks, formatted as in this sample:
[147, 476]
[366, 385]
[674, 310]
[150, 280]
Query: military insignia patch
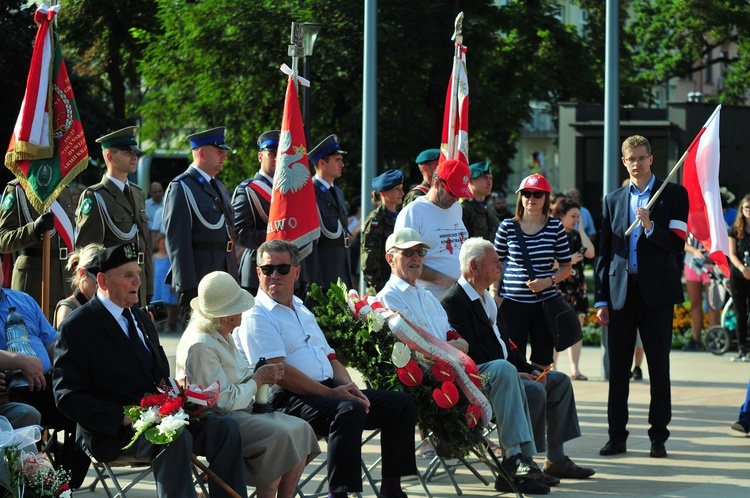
[86, 206]
[8, 201]
[129, 252]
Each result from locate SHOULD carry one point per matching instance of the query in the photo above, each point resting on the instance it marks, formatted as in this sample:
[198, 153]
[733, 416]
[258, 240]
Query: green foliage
[367, 347]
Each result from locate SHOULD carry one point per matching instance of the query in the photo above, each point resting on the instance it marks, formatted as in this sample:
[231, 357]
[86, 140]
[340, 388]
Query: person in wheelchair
[405, 254]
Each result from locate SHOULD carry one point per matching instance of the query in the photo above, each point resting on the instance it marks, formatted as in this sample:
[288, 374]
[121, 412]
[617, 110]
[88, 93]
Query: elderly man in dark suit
[472, 312]
[108, 356]
[198, 218]
[637, 285]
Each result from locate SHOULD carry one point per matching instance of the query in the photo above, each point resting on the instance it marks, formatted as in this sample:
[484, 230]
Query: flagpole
[459, 39]
[296, 50]
[674, 171]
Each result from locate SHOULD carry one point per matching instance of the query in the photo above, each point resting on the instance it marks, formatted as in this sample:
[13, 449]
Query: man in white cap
[437, 217]
[198, 218]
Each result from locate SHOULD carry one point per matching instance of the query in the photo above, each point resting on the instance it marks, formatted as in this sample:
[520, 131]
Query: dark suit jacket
[97, 373]
[658, 267]
[469, 319]
[194, 249]
[329, 260]
[251, 221]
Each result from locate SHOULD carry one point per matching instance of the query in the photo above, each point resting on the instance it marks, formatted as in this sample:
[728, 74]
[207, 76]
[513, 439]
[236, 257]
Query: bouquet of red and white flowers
[162, 417]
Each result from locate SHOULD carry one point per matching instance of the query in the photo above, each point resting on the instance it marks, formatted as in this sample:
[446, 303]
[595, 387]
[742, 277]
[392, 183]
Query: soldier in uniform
[329, 259]
[388, 188]
[113, 212]
[198, 218]
[427, 161]
[21, 231]
[480, 221]
[251, 202]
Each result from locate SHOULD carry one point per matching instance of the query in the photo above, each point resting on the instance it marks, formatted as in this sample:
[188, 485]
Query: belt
[33, 252]
[227, 246]
[342, 241]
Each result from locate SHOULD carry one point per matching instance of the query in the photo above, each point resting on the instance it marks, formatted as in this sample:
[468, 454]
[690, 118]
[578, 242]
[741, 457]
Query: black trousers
[343, 421]
[655, 327]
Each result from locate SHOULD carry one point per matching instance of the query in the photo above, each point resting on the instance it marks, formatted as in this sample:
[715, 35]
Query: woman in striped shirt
[521, 309]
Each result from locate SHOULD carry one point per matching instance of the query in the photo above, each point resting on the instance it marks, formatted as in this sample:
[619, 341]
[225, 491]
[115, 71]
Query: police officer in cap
[198, 218]
[330, 258]
[479, 219]
[113, 212]
[22, 230]
[427, 162]
[387, 193]
[251, 202]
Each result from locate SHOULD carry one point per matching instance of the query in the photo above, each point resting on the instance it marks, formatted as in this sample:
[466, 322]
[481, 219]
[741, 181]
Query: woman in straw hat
[276, 446]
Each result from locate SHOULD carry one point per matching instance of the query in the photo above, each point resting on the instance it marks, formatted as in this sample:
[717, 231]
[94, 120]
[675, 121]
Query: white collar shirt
[116, 312]
[488, 303]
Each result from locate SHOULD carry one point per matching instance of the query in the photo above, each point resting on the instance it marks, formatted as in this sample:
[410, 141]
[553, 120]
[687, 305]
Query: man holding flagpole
[637, 285]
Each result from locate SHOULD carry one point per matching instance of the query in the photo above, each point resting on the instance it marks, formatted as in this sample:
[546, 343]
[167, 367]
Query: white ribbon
[288, 71]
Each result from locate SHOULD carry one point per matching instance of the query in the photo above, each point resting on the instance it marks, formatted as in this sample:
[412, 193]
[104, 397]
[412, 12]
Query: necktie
[141, 350]
[129, 196]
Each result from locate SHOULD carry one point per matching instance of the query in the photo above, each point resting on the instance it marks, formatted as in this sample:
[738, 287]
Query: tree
[676, 38]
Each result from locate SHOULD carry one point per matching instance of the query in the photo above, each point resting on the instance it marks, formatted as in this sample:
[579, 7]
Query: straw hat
[220, 295]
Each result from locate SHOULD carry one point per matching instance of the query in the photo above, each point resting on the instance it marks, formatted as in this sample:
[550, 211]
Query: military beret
[388, 180]
[329, 145]
[480, 169]
[116, 256]
[269, 140]
[428, 155]
[121, 139]
[214, 136]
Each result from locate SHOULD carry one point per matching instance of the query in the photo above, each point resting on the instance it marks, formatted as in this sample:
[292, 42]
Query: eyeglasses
[640, 159]
[536, 194]
[269, 269]
[408, 253]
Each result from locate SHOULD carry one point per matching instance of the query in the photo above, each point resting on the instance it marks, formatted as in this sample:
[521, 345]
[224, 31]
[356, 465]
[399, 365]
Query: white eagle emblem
[291, 175]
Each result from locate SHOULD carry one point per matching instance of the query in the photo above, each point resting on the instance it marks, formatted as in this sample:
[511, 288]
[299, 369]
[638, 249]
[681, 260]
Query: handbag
[563, 325]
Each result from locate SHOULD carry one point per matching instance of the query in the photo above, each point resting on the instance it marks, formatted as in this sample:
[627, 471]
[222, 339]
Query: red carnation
[473, 415]
[447, 396]
[442, 371]
[410, 374]
[171, 406]
[153, 400]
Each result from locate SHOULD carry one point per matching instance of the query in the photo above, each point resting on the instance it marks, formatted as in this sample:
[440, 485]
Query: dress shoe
[741, 426]
[525, 486]
[658, 450]
[399, 494]
[549, 480]
[637, 373]
[613, 448]
[567, 469]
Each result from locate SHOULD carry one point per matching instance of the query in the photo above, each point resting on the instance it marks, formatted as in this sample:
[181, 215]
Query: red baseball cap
[456, 176]
[535, 182]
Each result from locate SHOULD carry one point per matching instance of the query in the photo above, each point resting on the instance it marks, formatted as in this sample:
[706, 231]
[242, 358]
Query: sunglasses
[408, 253]
[536, 194]
[269, 269]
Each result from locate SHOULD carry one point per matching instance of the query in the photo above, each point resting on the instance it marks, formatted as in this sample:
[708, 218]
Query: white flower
[172, 423]
[148, 417]
[376, 321]
[66, 494]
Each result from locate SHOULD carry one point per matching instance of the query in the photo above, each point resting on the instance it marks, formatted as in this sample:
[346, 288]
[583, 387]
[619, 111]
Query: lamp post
[310, 32]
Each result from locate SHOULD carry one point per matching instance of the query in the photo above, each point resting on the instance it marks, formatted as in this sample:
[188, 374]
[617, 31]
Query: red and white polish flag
[701, 180]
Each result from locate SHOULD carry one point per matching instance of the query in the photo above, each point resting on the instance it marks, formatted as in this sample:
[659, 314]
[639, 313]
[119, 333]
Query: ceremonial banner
[47, 149]
[293, 215]
[701, 180]
[455, 139]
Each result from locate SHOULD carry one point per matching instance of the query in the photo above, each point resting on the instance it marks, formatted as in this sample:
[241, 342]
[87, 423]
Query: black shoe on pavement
[613, 448]
[637, 373]
[693, 345]
[519, 467]
[549, 480]
[525, 486]
[567, 469]
[658, 450]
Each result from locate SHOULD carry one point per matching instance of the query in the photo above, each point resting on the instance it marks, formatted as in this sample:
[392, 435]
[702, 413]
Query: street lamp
[310, 32]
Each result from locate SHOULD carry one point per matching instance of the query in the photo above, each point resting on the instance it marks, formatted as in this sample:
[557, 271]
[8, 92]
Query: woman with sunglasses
[546, 242]
[85, 265]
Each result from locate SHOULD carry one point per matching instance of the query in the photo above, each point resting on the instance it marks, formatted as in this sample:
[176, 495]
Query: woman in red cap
[546, 242]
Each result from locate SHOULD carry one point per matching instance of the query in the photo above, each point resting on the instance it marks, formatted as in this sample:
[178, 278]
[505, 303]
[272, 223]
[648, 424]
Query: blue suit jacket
[658, 267]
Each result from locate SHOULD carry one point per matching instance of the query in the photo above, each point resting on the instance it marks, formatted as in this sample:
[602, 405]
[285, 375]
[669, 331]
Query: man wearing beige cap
[437, 217]
[113, 212]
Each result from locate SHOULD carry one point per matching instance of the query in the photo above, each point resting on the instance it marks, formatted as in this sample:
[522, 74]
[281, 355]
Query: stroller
[719, 338]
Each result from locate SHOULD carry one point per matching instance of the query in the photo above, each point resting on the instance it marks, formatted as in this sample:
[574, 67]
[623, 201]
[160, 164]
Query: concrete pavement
[706, 458]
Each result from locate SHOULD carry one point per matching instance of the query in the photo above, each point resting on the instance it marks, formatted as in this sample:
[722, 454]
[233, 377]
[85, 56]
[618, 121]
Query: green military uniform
[480, 221]
[17, 235]
[417, 191]
[375, 230]
[105, 216]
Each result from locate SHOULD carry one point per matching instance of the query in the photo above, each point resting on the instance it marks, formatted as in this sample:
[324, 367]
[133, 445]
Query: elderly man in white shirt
[405, 253]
